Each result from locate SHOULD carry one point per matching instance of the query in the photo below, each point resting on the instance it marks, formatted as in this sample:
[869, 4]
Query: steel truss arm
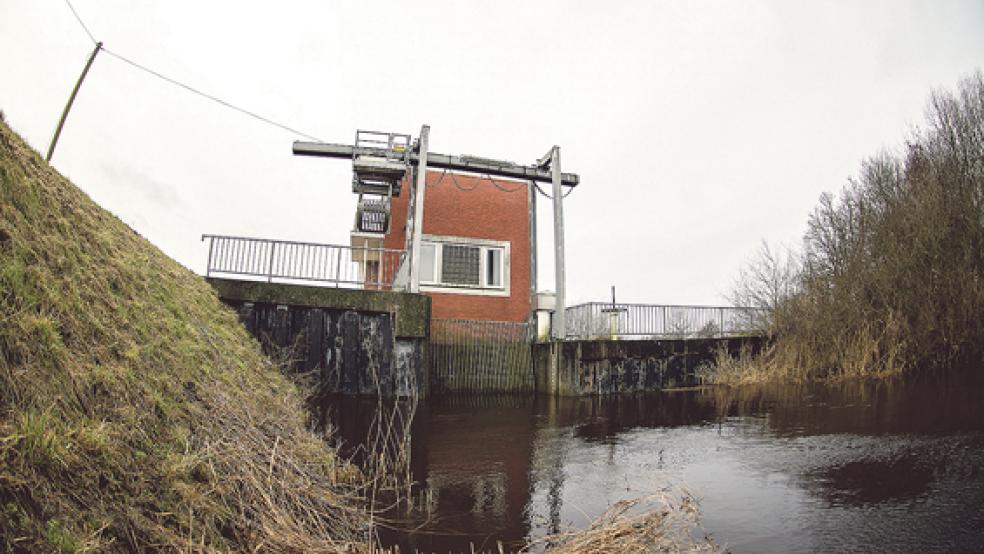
[469, 164]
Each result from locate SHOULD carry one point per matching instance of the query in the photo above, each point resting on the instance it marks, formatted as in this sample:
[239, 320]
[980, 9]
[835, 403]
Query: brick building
[475, 254]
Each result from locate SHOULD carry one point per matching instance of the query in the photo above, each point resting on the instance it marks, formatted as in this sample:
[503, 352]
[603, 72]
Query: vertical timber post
[71, 100]
[560, 329]
[418, 210]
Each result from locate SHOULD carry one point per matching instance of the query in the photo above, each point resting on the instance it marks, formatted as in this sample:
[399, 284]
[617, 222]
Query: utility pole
[418, 208]
[71, 100]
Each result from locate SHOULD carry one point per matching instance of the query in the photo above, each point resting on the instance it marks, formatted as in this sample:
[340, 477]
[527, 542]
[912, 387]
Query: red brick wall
[483, 212]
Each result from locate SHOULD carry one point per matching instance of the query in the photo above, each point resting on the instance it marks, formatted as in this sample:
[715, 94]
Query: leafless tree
[764, 283]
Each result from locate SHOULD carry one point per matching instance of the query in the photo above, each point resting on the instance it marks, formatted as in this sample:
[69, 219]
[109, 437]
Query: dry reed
[651, 523]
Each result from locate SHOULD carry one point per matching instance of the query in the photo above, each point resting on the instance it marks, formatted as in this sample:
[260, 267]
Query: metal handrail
[639, 304]
[397, 143]
[303, 261]
[632, 320]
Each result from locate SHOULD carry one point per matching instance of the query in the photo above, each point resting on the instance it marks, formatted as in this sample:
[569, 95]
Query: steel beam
[531, 204]
[560, 329]
[418, 208]
[468, 164]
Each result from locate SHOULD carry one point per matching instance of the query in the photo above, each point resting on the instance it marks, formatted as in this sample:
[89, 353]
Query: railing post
[208, 265]
[273, 250]
[365, 263]
[338, 267]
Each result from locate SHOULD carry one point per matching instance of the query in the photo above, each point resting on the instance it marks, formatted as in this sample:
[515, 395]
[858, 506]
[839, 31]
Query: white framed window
[464, 265]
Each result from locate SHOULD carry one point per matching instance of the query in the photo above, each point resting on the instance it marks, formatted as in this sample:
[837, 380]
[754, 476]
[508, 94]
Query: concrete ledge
[411, 311]
[592, 367]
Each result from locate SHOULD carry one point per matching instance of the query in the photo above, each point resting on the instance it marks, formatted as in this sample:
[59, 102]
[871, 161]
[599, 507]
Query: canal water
[888, 466]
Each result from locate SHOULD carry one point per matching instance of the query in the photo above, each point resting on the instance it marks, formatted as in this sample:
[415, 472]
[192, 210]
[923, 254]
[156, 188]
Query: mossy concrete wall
[357, 342]
[592, 367]
[410, 312]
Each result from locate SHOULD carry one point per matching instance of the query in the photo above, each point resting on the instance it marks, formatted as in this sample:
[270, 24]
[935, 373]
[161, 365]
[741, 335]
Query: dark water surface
[890, 467]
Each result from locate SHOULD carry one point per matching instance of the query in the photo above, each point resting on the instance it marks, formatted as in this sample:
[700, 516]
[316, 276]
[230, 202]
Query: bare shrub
[764, 283]
[891, 278]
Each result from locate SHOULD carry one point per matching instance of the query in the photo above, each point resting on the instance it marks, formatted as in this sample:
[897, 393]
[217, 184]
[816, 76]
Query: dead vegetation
[890, 279]
[135, 412]
[652, 523]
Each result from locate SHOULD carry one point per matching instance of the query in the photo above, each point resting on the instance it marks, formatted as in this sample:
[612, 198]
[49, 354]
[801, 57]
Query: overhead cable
[215, 99]
[521, 186]
[485, 176]
[189, 88]
[82, 23]
[565, 195]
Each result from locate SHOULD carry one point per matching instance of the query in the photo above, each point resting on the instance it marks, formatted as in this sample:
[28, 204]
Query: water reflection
[872, 481]
[879, 466]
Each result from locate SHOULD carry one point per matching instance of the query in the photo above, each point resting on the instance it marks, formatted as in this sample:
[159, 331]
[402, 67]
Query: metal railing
[606, 320]
[397, 143]
[354, 267]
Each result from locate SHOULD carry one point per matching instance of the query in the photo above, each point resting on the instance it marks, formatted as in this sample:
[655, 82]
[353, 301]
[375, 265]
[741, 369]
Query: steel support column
[560, 329]
[531, 197]
[418, 209]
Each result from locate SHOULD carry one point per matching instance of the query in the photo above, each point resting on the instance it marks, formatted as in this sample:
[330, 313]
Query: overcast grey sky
[698, 128]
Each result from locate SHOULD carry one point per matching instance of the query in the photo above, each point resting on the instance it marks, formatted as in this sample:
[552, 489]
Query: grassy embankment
[890, 280]
[135, 412]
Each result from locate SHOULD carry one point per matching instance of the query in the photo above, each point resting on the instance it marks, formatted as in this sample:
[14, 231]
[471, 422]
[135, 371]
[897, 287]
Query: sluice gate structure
[444, 300]
[480, 357]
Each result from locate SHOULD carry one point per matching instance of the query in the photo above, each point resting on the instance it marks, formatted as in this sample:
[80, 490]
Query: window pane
[426, 262]
[493, 267]
[459, 265]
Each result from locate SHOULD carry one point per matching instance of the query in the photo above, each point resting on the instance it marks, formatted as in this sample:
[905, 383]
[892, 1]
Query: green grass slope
[135, 412]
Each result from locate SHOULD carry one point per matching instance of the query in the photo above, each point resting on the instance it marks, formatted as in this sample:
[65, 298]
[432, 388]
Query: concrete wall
[356, 342]
[483, 212]
[613, 366]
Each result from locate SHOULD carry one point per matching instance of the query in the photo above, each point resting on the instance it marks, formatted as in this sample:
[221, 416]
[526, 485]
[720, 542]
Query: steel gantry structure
[546, 170]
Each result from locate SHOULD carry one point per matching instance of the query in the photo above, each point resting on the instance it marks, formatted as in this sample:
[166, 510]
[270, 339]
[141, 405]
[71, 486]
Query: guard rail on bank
[600, 320]
[332, 264]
